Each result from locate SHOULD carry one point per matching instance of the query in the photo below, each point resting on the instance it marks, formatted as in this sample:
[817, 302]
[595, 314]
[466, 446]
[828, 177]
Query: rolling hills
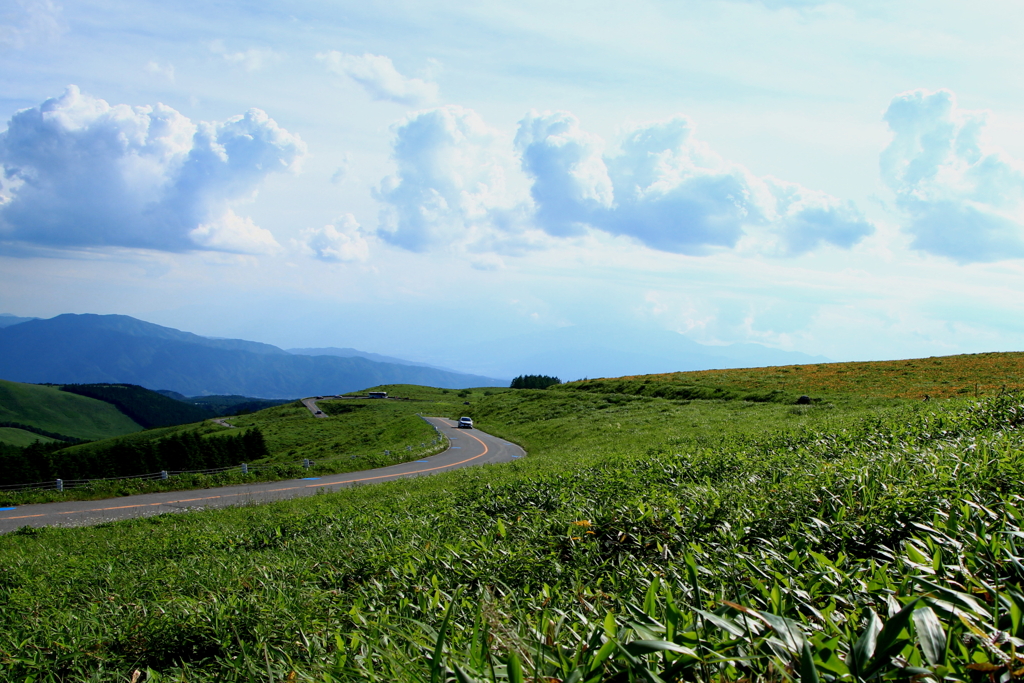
[864, 536]
[48, 411]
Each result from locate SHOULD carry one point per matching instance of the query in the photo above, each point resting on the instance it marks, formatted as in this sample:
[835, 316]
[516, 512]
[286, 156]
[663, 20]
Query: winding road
[468, 448]
[310, 403]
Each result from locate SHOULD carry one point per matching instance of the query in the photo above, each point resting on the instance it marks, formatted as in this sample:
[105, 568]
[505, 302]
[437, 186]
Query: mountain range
[356, 353]
[6, 319]
[117, 348]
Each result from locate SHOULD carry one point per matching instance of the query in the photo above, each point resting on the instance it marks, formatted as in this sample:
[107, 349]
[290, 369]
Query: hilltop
[914, 378]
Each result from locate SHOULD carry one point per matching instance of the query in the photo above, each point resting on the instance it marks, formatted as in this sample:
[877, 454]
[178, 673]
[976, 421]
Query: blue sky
[840, 179]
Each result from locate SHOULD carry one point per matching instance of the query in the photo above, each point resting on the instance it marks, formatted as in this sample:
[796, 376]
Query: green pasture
[643, 539]
[357, 435]
[60, 412]
[21, 437]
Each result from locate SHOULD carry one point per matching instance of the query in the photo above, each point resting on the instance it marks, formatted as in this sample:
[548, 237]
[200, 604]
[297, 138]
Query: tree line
[127, 457]
[534, 382]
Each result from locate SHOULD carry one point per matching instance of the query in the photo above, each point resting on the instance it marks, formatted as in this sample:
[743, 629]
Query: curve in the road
[310, 403]
[480, 448]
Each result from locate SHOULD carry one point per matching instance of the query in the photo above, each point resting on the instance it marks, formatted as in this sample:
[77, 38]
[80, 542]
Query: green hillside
[145, 407]
[861, 537]
[21, 437]
[978, 374]
[358, 434]
[59, 412]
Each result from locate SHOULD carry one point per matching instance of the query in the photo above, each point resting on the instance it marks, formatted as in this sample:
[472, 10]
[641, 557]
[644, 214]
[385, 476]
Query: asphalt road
[468, 447]
[313, 408]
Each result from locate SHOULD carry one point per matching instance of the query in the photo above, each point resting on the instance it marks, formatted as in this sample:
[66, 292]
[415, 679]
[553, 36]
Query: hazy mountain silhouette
[356, 353]
[6, 320]
[117, 348]
[597, 350]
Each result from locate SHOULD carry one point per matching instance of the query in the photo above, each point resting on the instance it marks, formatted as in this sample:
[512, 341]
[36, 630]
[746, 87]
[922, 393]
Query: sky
[842, 179]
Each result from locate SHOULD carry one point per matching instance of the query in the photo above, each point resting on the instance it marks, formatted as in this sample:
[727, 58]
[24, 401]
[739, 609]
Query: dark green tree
[534, 382]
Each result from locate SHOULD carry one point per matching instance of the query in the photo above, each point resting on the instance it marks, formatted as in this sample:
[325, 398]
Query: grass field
[861, 537]
[981, 374]
[355, 427]
[60, 412]
[357, 435]
[20, 437]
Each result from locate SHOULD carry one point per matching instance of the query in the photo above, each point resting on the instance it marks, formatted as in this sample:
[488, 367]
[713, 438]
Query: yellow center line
[399, 474]
[290, 488]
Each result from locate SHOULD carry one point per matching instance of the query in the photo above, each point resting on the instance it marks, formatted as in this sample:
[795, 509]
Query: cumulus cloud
[964, 200]
[670, 191]
[451, 184]
[79, 172]
[23, 22]
[571, 184]
[662, 187]
[379, 77]
[341, 242]
[230, 232]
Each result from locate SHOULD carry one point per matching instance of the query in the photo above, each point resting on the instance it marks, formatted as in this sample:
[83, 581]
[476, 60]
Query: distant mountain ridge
[356, 353]
[6, 319]
[89, 349]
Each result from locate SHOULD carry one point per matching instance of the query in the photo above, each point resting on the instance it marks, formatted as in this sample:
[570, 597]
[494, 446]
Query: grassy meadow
[49, 409]
[864, 536]
[980, 374]
[358, 434]
[21, 437]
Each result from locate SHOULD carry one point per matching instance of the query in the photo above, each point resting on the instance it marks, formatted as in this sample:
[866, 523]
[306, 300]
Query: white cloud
[342, 242]
[452, 184]
[230, 232]
[671, 192]
[571, 183]
[964, 199]
[79, 172]
[457, 183]
[23, 22]
[252, 59]
[379, 77]
[805, 219]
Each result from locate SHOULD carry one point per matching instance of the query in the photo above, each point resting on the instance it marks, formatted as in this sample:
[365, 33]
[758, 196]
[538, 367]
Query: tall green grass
[759, 544]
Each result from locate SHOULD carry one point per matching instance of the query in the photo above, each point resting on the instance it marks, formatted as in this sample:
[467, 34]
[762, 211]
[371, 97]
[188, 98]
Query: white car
[465, 423]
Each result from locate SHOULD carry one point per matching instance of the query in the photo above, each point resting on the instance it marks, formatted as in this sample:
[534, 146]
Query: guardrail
[243, 468]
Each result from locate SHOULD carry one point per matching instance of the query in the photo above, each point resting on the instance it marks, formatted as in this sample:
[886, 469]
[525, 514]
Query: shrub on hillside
[534, 382]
